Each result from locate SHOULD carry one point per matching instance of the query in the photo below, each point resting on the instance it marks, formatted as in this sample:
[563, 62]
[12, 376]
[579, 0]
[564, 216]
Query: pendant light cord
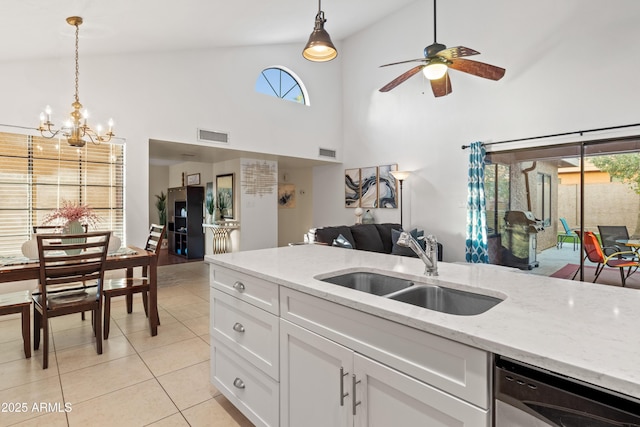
[77, 66]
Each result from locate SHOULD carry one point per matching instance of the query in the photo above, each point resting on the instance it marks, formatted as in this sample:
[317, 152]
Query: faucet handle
[432, 242]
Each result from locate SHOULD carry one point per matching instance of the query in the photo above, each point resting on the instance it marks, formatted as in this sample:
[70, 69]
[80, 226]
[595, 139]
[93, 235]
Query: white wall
[570, 65]
[167, 96]
[158, 181]
[259, 218]
[294, 222]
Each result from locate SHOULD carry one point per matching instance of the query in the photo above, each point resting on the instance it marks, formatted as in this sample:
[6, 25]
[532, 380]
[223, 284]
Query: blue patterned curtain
[476, 207]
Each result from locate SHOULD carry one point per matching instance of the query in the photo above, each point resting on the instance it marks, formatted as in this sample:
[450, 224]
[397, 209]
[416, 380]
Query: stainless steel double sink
[432, 297]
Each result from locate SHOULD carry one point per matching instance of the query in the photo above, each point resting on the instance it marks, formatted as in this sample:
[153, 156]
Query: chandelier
[75, 129]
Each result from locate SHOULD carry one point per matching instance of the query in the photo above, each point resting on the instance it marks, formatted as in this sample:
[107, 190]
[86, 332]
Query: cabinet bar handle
[239, 286]
[355, 402]
[342, 393]
[238, 383]
[238, 327]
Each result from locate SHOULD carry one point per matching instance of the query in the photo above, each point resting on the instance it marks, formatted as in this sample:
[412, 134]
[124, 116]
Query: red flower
[70, 211]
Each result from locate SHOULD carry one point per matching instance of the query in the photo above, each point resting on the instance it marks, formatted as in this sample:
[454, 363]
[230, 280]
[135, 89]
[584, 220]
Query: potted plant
[223, 204]
[73, 217]
[210, 205]
[161, 206]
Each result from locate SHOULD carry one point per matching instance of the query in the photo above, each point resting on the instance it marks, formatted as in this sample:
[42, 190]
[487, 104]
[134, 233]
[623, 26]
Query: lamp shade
[400, 175]
[319, 48]
[435, 70]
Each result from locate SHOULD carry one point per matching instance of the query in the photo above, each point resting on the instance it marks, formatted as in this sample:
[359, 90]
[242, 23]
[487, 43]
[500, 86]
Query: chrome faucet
[430, 257]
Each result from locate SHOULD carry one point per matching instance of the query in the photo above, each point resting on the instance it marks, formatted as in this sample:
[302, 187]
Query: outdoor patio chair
[567, 235]
[609, 234]
[595, 253]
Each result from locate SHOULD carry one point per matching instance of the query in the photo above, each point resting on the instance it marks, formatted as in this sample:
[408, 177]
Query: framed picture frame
[193, 179]
[387, 187]
[369, 187]
[352, 188]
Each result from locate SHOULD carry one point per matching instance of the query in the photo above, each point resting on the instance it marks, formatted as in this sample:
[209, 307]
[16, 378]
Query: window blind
[37, 174]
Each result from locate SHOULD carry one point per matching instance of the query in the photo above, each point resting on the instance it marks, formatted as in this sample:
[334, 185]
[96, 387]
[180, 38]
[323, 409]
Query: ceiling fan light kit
[438, 60]
[319, 48]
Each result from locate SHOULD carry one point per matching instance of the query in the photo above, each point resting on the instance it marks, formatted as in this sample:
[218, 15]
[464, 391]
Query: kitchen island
[581, 330]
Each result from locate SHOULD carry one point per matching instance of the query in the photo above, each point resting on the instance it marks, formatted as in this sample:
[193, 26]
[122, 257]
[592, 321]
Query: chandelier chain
[77, 62]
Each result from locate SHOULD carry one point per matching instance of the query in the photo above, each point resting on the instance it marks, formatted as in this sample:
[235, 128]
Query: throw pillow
[400, 250]
[367, 238]
[342, 242]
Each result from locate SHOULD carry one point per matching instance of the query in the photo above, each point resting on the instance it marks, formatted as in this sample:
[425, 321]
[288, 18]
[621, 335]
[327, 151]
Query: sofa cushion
[367, 238]
[400, 250]
[329, 234]
[385, 234]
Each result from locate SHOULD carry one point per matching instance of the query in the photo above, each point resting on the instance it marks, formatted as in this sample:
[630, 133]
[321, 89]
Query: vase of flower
[74, 227]
[73, 218]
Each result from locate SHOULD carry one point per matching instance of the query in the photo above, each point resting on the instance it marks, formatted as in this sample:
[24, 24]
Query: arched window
[282, 83]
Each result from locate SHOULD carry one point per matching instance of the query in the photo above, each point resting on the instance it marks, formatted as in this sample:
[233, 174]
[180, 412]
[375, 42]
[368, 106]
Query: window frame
[278, 93]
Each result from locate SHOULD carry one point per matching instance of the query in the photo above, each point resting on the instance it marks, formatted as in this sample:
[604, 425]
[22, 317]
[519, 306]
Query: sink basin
[446, 300]
[372, 283]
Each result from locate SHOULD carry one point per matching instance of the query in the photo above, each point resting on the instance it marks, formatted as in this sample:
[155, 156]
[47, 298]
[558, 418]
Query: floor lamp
[400, 176]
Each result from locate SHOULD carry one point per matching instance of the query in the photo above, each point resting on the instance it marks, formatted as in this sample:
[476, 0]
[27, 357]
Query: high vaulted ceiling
[37, 28]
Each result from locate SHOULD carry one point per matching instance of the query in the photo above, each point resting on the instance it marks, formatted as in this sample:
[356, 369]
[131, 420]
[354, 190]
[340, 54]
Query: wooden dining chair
[71, 277]
[19, 302]
[133, 285]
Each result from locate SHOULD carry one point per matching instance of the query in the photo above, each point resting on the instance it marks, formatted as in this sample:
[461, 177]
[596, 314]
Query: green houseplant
[210, 204]
[161, 206]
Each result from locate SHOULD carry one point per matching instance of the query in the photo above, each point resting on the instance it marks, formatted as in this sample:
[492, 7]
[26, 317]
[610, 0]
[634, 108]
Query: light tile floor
[139, 380]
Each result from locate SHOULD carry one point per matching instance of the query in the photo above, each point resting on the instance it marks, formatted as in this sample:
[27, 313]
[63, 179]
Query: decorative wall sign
[286, 196]
[193, 179]
[369, 187]
[387, 187]
[352, 188]
[259, 177]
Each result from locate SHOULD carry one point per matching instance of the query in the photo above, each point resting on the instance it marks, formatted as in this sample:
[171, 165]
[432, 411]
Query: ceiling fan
[438, 59]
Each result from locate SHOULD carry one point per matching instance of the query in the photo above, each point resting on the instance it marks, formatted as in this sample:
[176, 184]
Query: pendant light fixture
[319, 48]
[75, 129]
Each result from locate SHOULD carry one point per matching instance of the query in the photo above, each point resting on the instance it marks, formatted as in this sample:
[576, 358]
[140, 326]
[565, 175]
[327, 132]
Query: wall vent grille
[325, 152]
[212, 136]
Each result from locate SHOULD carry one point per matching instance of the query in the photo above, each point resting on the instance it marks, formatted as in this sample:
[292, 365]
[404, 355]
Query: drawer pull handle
[354, 401]
[238, 327]
[238, 383]
[342, 393]
[239, 286]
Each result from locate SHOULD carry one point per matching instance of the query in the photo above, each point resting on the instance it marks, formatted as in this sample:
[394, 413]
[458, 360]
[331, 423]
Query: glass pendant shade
[435, 70]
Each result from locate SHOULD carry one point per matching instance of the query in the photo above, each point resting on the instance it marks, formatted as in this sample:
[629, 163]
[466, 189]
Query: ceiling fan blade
[457, 52]
[479, 69]
[401, 78]
[442, 86]
[404, 62]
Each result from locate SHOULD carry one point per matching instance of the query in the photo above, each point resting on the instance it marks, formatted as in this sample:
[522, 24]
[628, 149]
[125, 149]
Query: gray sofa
[380, 238]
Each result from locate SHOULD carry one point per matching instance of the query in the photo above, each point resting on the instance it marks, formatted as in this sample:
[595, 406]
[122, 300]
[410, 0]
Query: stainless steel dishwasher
[527, 396]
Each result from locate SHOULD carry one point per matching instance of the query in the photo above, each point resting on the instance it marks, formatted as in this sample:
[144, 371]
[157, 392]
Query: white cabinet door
[315, 379]
[386, 397]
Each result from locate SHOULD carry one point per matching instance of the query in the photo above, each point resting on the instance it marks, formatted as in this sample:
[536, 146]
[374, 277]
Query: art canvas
[387, 187]
[369, 187]
[352, 188]
[286, 196]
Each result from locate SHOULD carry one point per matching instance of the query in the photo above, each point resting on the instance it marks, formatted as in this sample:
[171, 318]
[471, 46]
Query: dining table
[13, 269]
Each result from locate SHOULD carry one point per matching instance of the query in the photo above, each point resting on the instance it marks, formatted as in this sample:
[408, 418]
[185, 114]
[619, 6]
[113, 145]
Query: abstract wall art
[352, 188]
[369, 187]
[387, 187]
[286, 196]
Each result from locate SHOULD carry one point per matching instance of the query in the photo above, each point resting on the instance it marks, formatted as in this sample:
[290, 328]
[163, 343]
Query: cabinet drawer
[251, 332]
[450, 366]
[258, 292]
[255, 394]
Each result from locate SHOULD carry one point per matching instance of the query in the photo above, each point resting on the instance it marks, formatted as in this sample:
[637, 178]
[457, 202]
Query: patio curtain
[476, 251]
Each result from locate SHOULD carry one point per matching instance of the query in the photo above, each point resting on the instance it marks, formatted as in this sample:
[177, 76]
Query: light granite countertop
[586, 331]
